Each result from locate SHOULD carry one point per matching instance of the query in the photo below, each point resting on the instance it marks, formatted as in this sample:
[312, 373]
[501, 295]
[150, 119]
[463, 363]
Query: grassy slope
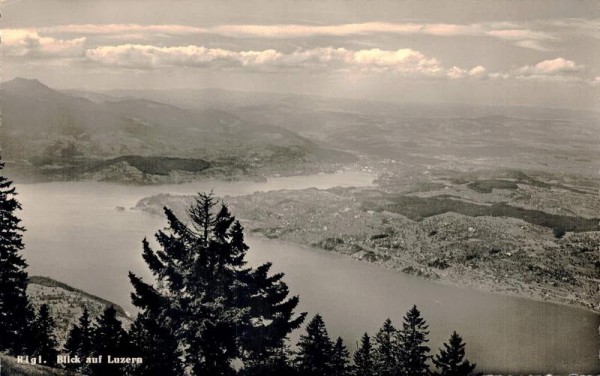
[10, 367]
[49, 282]
[66, 304]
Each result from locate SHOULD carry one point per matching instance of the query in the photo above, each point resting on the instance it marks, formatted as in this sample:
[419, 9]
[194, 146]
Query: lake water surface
[76, 235]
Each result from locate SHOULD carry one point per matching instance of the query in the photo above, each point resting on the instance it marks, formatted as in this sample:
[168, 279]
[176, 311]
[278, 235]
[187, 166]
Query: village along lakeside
[93, 246]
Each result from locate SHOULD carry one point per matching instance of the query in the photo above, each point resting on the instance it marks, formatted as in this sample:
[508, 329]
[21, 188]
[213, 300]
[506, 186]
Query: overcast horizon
[529, 53]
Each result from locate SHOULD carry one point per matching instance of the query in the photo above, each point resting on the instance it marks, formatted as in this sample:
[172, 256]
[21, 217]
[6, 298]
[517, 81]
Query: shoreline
[454, 278]
[487, 278]
[440, 281]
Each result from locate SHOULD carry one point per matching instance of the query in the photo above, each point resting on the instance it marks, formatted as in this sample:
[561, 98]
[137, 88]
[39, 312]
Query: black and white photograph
[299, 187]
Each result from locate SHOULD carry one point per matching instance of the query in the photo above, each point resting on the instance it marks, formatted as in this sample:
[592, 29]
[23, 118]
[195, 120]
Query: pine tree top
[315, 332]
[413, 319]
[363, 357]
[450, 359]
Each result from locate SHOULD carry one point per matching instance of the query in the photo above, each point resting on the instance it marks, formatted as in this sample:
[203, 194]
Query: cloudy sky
[530, 52]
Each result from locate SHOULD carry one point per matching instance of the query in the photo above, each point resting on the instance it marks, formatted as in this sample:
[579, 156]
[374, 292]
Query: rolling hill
[64, 136]
[451, 135]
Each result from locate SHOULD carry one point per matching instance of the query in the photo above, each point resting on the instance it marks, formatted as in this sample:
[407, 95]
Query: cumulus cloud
[24, 42]
[477, 72]
[149, 56]
[402, 61]
[557, 70]
[554, 70]
[555, 67]
[405, 62]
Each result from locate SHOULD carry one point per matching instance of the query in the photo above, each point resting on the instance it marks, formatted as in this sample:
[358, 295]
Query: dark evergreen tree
[109, 339]
[74, 339]
[385, 353]
[80, 343]
[152, 340]
[450, 360]
[44, 341]
[412, 349]
[315, 350]
[154, 332]
[340, 359]
[268, 302]
[363, 358]
[15, 311]
[277, 363]
[205, 297]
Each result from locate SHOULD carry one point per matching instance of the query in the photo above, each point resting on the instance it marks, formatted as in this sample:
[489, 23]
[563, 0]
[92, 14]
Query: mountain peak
[25, 84]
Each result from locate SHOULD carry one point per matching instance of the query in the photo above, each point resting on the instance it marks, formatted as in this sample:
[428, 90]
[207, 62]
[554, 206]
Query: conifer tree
[277, 363]
[44, 341]
[109, 339]
[80, 342]
[74, 339]
[363, 358]
[270, 303]
[385, 359]
[15, 311]
[412, 349]
[450, 360]
[340, 359]
[215, 307]
[151, 340]
[315, 350]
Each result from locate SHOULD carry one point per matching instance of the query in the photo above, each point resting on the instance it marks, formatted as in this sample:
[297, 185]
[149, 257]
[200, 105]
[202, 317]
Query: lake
[76, 235]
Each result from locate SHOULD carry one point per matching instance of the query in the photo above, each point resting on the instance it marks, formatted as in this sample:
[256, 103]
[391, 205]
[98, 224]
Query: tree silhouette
[80, 342]
[152, 340]
[340, 359]
[450, 360]
[385, 354]
[412, 349]
[315, 350]
[15, 311]
[278, 363]
[207, 300]
[363, 358]
[44, 341]
[109, 339]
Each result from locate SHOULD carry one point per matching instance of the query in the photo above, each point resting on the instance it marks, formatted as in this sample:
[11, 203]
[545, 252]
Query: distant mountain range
[172, 135]
[383, 127]
[233, 100]
[72, 135]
